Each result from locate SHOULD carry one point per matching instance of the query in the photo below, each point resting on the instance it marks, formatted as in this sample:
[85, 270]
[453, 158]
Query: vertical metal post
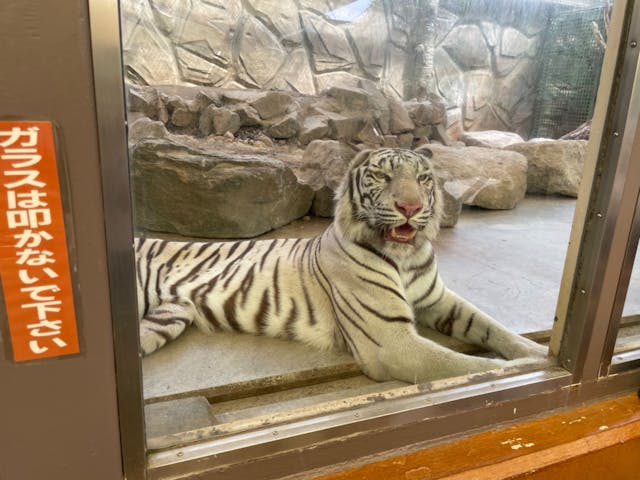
[112, 135]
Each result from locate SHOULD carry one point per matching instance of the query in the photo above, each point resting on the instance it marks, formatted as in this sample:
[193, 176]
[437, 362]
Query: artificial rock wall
[484, 60]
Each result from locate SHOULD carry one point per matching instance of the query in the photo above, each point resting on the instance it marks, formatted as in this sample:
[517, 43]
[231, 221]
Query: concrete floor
[509, 263]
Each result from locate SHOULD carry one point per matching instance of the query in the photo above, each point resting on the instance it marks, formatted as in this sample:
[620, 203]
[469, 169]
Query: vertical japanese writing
[33, 249]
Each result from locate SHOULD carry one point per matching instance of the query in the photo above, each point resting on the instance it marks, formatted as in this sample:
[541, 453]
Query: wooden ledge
[596, 441]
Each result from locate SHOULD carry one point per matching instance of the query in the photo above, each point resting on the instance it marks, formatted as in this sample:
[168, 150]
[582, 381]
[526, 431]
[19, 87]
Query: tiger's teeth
[409, 236]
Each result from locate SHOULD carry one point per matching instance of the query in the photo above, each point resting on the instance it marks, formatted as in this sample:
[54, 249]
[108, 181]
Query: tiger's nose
[408, 209]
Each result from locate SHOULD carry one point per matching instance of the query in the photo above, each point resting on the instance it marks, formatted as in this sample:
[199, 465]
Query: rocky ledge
[235, 164]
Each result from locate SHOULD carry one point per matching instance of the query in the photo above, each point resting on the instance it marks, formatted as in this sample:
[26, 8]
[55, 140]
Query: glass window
[243, 118]
[629, 333]
[632, 303]
[627, 344]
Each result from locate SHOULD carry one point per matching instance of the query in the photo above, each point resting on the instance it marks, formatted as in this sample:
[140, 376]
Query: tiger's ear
[424, 150]
[360, 158]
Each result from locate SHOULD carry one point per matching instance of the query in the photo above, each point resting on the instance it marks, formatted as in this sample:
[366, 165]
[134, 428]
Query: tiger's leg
[164, 323]
[407, 356]
[456, 317]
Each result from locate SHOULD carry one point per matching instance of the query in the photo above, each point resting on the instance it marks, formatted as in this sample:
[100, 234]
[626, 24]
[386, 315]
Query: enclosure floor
[509, 263]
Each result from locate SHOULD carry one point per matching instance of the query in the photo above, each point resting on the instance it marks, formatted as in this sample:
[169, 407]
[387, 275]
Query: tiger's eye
[381, 176]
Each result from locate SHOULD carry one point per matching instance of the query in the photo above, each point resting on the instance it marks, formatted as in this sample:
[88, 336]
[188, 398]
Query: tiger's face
[389, 199]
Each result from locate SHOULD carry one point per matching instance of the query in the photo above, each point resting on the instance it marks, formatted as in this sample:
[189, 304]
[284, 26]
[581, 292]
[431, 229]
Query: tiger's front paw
[526, 348]
[530, 362]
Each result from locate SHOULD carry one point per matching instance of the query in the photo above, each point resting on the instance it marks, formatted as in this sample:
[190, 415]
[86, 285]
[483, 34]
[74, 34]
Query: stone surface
[145, 51]
[311, 45]
[358, 115]
[490, 139]
[314, 128]
[370, 135]
[371, 102]
[346, 128]
[271, 104]
[224, 120]
[256, 68]
[143, 100]
[370, 49]
[449, 77]
[467, 47]
[324, 163]
[323, 203]
[390, 141]
[484, 177]
[143, 128]
[555, 166]
[248, 115]
[286, 127]
[405, 140]
[295, 74]
[183, 117]
[330, 49]
[208, 29]
[452, 204]
[399, 119]
[199, 193]
[426, 113]
[195, 69]
[281, 16]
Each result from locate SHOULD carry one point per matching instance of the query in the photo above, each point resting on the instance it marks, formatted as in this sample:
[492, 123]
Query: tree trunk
[419, 75]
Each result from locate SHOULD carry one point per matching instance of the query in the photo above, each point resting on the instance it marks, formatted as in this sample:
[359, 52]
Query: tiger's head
[389, 200]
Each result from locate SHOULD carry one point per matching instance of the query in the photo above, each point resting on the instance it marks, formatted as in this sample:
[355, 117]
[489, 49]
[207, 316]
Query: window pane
[629, 333]
[243, 119]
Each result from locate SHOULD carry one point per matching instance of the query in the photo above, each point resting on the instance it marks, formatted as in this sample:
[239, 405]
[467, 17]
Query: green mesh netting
[570, 71]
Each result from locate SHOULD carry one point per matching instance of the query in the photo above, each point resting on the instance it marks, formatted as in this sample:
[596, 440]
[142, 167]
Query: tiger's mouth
[403, 234]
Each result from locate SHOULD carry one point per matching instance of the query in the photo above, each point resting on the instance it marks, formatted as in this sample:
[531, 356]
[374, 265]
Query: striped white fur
[362, 286]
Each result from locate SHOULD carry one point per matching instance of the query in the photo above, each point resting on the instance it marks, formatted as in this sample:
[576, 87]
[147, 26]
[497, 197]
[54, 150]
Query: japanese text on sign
[34, 260]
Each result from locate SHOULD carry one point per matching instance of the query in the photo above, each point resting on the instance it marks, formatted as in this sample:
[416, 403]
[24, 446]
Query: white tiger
[361, 286]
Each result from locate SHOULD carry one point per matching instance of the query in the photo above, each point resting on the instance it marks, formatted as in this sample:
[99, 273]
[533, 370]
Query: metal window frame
[583, 337]
[593, 290]
[104, 19]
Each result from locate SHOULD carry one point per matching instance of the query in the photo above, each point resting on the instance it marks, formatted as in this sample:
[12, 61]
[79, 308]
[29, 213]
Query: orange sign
[34, 261]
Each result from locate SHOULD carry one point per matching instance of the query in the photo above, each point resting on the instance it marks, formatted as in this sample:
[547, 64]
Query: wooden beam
[577, 440]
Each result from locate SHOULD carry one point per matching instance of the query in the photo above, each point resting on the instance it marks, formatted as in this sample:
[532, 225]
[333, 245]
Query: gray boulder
[224, 120]
[144, 127]
[272, 104]
[323, 165]
[248, 115]
[490, 139]
[484, 177]
[555, 166]
[313, 128]
[427, 112]
[185, 190]
[183, 117]
[399, 120]
[452, 205]
[370, 102]
[143, 100]
[286, 127]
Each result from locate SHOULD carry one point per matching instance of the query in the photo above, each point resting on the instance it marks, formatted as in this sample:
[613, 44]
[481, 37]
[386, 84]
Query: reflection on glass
[243, 118]
[629, 333]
